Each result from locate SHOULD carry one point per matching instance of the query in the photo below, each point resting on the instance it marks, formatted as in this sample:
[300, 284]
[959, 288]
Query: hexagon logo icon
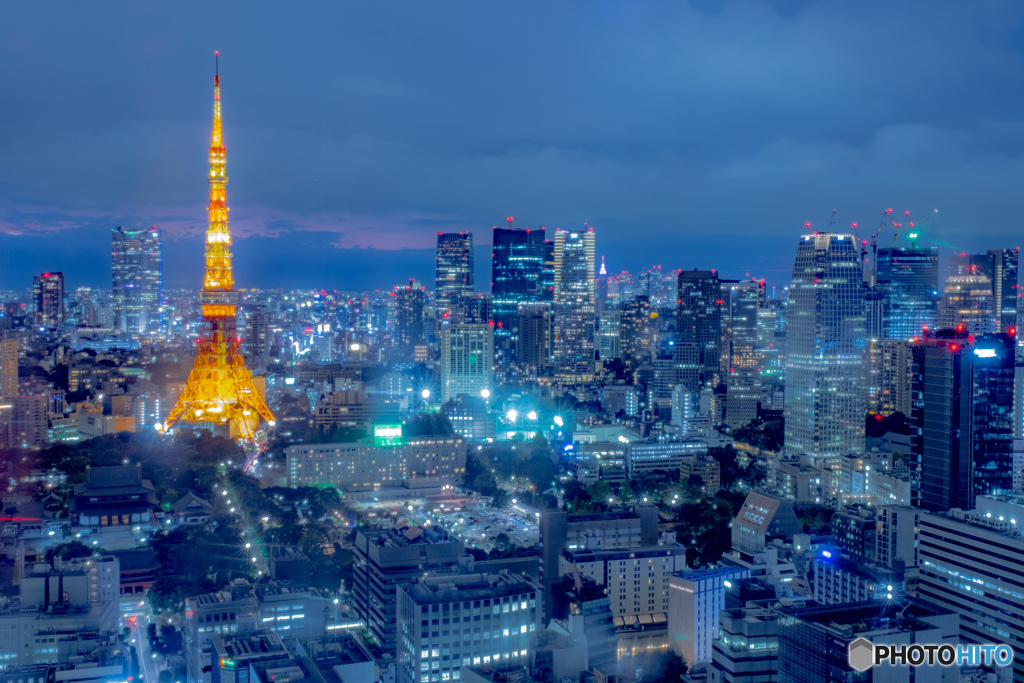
[861, 654]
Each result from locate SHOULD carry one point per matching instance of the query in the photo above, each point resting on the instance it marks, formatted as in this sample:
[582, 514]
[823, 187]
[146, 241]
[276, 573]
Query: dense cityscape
[552, 471]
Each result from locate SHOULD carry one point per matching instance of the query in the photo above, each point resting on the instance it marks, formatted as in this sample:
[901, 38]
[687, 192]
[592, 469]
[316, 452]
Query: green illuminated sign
[387, 435]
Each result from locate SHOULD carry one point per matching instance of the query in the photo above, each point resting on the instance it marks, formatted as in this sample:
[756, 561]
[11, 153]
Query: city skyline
[337, 141]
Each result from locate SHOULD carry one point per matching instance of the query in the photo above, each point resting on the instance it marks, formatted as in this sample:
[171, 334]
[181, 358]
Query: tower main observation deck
[220, 390]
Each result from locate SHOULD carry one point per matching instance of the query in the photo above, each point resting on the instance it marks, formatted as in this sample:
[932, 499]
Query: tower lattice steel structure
[220, 389]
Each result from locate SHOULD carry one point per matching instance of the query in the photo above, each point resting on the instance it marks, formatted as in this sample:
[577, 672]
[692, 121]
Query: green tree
[599, 491]
[670, 669]
[69, 551]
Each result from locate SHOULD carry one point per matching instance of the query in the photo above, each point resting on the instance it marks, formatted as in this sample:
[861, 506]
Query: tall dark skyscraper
[910, 277]
[138, 280]
[962, 407]
[1005, 287]
[48, 295]
[454, 279]
[826, 348]
[518, 275]
[409, 315]
[637, 332]
[533, 345]
[992, 414]
[941, 413]
[700, 319]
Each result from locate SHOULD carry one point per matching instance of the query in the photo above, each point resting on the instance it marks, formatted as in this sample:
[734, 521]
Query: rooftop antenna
[510, 222]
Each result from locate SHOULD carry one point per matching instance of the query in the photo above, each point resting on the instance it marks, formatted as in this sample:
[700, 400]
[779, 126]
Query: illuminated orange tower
[220, 390]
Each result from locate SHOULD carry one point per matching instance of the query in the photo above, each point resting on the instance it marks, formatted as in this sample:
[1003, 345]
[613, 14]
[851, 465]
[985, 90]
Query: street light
[512, 415]
[532, 415]
[425, 394]
[558, 420]
[485, 393]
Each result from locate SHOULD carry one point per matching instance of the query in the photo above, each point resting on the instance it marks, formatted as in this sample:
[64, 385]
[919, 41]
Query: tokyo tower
[219, 391]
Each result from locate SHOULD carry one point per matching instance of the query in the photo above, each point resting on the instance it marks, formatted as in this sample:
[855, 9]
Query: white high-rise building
[826, 341]
[973, 563]
[694, 600]
[574, 305]
[467, 359]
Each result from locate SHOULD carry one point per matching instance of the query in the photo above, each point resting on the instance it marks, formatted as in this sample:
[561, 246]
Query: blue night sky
[690, 134]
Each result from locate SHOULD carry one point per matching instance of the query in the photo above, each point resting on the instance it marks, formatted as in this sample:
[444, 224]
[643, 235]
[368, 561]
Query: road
[138, 621]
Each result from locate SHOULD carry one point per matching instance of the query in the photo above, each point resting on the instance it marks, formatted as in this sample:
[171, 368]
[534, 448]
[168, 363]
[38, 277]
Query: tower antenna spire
[216, 67]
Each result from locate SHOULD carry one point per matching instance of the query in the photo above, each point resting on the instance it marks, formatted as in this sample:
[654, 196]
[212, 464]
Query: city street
[136, 617]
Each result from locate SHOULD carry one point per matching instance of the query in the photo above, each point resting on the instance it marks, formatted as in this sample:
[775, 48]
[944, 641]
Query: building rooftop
[622, 553]
[340, 649]
[276, 588]
[455, 587]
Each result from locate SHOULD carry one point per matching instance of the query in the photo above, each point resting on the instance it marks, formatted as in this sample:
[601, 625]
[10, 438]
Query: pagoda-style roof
[190, 502]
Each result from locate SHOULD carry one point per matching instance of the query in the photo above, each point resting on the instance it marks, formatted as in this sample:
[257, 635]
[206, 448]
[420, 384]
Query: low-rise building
[695, 599]
[388, 558]
[705, 467]
[363, 465]
[666, 456]
[289, 609]
[224, 613]
[814, 640]
[61, 612]
[635, 579]
[448, 621]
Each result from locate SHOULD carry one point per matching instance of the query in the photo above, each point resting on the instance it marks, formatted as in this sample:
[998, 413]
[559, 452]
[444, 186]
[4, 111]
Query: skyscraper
[700, 319]
[258, 336]
[1000, 266]
[967, 303]
[138, 280]
[963, 410]
[992, 396]
[48, 295]
[409, 315]
[454, 279]
[467, 359]
[9, 367]
[825, 348]
[574, 305]
[518, 276]
[743, 374]
[1005, 287]
[941, 414]
[533, 343]
[910, 276]
[637, 332]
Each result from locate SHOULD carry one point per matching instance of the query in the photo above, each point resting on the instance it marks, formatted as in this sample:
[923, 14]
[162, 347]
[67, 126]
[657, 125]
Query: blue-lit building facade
[453, 282]
[138, 280]
[910, 276]
[519, 275]
[826, 346]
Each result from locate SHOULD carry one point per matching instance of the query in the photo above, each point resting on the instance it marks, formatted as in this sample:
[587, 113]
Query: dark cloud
[690, 134]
